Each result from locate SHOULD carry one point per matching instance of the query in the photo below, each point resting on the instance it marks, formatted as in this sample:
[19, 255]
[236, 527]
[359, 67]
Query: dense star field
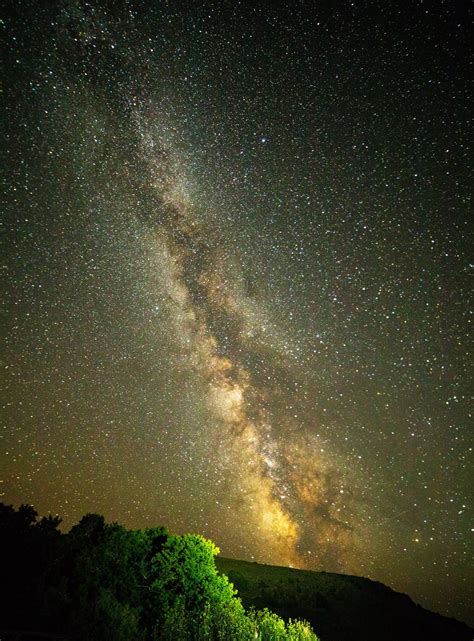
[236, 278]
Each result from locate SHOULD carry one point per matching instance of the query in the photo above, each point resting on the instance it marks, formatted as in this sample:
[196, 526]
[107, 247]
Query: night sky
[236, 278]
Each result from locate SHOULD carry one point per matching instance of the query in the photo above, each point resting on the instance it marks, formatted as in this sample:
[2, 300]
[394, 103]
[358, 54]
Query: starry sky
[235, 260]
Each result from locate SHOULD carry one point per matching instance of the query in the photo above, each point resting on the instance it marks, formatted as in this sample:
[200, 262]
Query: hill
[340, 607]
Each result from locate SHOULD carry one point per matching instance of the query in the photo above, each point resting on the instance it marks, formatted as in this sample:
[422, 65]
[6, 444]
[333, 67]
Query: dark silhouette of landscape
[338, 606]
[102, 582]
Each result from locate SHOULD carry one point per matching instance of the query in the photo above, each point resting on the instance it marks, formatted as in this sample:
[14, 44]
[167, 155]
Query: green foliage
[174, 622]
[195, 601]
[299, 631]
[101, 582]
[111, 621]
[229, 621]
[269, 626]
[185, 568]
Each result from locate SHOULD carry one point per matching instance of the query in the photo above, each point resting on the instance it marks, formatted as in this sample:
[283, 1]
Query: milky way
[237, 275]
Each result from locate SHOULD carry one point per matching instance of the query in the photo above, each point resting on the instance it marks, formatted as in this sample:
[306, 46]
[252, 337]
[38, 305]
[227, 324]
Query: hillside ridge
[340, 607]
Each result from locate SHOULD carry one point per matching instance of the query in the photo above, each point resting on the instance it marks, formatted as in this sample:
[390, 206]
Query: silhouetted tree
[28, 554]
[101, 582]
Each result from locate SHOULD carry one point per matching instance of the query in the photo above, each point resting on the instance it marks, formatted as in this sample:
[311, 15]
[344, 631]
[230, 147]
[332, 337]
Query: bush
[102, 582]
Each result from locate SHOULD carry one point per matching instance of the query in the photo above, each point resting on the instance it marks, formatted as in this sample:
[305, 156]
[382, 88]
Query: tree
[185, 578]
[28, 550]
[102, 582]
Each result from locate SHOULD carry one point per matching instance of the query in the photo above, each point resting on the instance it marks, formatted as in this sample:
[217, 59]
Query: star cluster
[236, 294]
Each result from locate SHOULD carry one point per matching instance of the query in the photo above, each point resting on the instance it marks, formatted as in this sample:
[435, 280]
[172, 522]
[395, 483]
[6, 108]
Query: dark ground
[340, 607]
